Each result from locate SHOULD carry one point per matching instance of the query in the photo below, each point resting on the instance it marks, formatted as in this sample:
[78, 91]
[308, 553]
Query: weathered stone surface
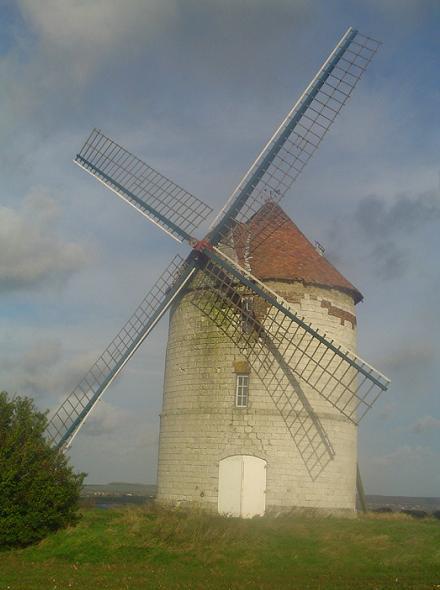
[200, 424]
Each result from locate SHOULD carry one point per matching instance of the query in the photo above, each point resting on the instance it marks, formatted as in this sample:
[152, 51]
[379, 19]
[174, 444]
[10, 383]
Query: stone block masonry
[200, 424]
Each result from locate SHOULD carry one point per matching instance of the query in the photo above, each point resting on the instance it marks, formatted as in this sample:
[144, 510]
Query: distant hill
[374, 501]
[119, 489]
[397, 503]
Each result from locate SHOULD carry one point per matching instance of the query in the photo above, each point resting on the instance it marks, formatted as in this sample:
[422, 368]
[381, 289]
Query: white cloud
[60, 48]
[387, 411]
[31, 251]
[43, 370]
[118, 446]
[402, 456]
[95, 23]
[76, 36]
[106, 418]
[425, 424]
[410, 356]
[408, 11]
[71, 41]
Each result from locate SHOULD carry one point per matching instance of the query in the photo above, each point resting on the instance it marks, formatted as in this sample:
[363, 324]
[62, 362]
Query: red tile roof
[285, 253]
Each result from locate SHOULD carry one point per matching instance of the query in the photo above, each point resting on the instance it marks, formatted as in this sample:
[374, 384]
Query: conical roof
[286, 253]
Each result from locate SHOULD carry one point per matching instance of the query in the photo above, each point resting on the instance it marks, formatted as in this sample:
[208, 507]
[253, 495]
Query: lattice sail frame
[337, 374]
[225, 304]
[178, 213]
[66, 421]
[172, 208]
[297, 138]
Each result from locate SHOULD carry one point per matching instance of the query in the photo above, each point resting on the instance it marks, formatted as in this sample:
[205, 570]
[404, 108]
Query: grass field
[146, 548]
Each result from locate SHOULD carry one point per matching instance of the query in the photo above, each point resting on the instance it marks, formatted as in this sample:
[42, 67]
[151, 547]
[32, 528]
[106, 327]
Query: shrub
[415, 513]
[39, 492]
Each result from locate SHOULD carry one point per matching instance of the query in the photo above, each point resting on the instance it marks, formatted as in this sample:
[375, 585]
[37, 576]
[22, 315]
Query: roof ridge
[287, 254]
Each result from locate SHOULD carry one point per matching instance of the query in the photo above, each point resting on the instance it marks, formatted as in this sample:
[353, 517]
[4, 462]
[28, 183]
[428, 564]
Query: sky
[195, 88]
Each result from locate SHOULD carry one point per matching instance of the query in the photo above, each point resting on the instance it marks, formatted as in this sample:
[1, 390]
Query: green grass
[148, 549]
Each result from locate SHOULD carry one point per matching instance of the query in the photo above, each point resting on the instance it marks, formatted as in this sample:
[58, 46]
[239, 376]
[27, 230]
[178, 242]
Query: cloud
[231, 29]
[117, 445]
[32, 254]
[148, 436]
[388, 411]
[425, 424]
[410, 356]
[407, 214]
[384, 232]
[61, 50]
[410, 362]
[410, 11]
[84, 34]
[389, 259]
[106, 418]
[218, 39]
[402, 456]
[43, 370]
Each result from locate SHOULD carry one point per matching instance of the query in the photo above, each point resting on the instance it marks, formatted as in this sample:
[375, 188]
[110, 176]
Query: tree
[39, 492]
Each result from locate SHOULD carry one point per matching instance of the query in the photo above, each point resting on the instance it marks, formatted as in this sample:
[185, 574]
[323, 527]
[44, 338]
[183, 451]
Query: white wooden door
[230, 474]
[253, 487]
[242, 486]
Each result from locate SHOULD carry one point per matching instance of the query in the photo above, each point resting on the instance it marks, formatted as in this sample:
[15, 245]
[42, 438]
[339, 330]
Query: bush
[39, 492]
[415, 513]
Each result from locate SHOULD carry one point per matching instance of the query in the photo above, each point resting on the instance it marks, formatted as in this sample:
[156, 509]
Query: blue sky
[195, 88]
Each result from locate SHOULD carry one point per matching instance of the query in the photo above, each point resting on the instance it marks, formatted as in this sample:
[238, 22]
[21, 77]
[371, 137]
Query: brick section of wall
[339, 313]
[297, 294]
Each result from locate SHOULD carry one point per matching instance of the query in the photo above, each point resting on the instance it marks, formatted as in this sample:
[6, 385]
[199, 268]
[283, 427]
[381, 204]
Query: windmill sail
[226, 304]
[163, 202]
[292, 359]
[65, 423]
[337, 374]
[296, 140]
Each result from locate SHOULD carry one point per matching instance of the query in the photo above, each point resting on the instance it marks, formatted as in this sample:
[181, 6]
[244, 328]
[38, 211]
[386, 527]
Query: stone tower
[223, 443]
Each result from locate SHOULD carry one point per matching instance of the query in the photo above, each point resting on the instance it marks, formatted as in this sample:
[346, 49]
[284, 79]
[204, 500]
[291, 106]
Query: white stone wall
[200, 424]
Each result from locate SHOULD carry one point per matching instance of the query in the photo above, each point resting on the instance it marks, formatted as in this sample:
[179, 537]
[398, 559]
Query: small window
[242, 391]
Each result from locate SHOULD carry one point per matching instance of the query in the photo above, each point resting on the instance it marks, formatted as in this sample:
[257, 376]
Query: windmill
[319, 388]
